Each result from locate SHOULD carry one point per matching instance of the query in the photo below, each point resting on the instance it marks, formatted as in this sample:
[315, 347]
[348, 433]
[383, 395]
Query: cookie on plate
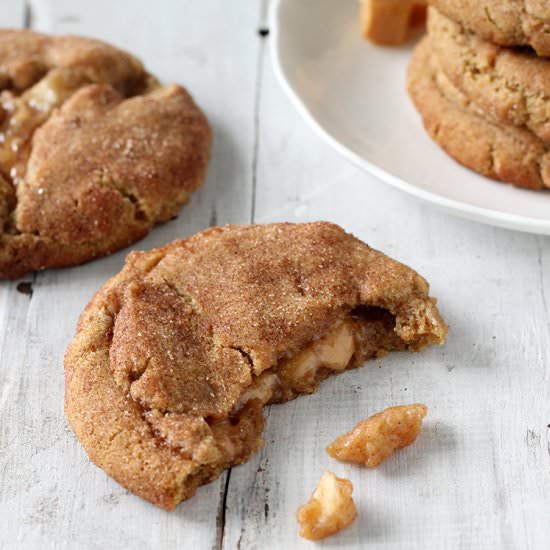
[510, 86]
[175, 358]
[94, 151]
[504, 152]
[504, 22]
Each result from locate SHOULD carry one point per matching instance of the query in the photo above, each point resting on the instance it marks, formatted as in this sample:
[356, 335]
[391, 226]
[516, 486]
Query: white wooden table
[479, 475]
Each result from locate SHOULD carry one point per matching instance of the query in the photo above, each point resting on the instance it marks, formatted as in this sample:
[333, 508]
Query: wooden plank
[14, 311]
[478, 475]
[51, 494]
[13, 305]
[13, 13]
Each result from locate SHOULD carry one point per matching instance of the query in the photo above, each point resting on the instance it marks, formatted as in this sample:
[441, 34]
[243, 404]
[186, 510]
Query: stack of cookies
[481, 82]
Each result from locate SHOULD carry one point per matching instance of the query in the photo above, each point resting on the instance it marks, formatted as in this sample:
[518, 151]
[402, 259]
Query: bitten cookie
[510, 86]
[94, 151]
[508, 153]
[176, 356]
[504, 22]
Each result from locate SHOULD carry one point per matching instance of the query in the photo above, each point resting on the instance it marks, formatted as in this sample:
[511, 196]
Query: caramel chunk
[329, 510]
[389, 22]
[333, 351]
[376, 438]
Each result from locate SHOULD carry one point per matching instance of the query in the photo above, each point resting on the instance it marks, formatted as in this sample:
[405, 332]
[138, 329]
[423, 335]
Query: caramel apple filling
[360, 336]
[332, 352]
[220, 441]
[231, 439]
[23, 114]
[300, 373]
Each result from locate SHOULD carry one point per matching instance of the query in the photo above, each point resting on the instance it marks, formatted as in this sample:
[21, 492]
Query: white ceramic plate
[353, 94]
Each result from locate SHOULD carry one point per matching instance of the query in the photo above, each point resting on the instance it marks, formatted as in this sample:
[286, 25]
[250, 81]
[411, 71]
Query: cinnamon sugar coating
[507, 86]
[27, 56]
[504, 22]
[175, 357]
[94, 151]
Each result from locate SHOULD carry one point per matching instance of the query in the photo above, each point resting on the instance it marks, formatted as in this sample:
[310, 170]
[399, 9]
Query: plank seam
[541, 276]
[255, 151]
[27, 15]
[222, 510]
[257, 105]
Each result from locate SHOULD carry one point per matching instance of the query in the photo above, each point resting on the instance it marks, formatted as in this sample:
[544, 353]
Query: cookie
[504, 22]
[507, 153]
[510, 86]
[94, 151]
[175, 358]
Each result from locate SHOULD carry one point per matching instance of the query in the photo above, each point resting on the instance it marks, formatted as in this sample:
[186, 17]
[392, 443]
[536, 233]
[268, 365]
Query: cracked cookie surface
[93, 150]
[176, 356]
[504, 152]
[510, 86]
[504, 22]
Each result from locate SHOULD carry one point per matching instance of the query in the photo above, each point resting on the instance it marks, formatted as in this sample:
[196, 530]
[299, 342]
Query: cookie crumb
[329, 510]
[376, 438]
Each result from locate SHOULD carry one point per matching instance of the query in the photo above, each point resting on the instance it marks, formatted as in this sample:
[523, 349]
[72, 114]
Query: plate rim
[458, 208]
